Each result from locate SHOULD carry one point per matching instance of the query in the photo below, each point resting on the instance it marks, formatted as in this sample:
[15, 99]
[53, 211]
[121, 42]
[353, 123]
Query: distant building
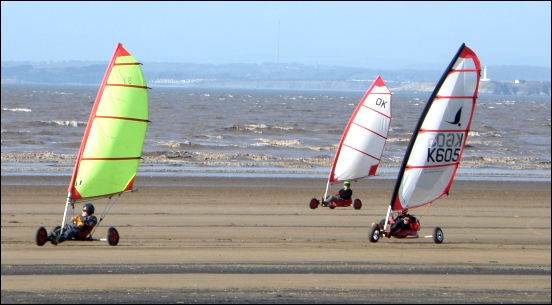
[485, 79]
[515, 81]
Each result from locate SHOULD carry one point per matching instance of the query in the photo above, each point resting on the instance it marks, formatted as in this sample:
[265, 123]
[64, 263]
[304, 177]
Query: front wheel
[438, 236]
[41, 236]
[357, 204]
[374, 233]
[313, 204]
[112, 236]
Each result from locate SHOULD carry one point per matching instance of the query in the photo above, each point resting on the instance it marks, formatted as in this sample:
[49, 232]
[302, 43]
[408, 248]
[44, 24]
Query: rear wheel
[438, 236]
[313, 204]
[357, 204]
[331, 206]
[41, 236]
[112, 236]
[374, 233]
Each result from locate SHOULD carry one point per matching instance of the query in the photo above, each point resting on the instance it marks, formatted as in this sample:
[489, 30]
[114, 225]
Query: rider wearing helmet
[89, 208]
[344, 194]
[80, 226]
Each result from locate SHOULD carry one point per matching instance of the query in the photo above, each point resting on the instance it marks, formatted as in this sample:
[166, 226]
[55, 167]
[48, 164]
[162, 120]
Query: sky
[379, 34]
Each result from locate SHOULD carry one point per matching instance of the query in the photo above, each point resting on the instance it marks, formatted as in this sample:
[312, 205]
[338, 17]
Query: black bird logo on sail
[457, 118]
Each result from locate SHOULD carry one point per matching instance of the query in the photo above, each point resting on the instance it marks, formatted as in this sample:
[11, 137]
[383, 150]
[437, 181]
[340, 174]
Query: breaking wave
[17, 109]
[64, 123]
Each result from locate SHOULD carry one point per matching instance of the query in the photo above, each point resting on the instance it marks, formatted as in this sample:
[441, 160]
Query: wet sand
[255, 240]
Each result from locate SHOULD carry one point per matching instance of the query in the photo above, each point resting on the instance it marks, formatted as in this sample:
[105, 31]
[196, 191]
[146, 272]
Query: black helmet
[89, 208]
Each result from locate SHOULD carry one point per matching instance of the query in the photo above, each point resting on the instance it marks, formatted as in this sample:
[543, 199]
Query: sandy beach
[255, 240]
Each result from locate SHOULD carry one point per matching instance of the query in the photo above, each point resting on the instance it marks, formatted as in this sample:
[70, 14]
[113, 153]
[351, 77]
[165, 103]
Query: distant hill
[269, 75]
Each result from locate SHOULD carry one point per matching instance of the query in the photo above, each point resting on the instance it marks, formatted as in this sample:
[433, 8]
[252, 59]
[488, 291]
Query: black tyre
[382, 223]
[331, 206]
[357, 204]
[112, 236]
[438, 235]
[41, 236]
[313, 204]
[374, 233]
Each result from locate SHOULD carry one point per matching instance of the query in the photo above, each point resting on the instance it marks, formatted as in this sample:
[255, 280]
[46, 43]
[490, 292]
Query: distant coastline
[502, 80]
[495, 88]
[537, 89]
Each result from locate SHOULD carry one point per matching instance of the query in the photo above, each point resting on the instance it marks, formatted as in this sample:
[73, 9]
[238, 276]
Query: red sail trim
[454, 71]
[379, 82]
[352, 178]
[362, 152]
[130, 185]
[453, 97]
[396, 204]
[447, 188]
[432, 166]
[119, 51]
[468, 53]
[75, 195]
[442, 130]
[370, 130]
[373, 170]
[463, 70]
[122, 118]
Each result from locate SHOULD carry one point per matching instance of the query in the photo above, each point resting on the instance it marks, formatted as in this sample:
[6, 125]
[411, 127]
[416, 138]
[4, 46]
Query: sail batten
[121, 118]
[362, 152]
[125, 85]
[379, 112]
[438, 141]
[372, 131]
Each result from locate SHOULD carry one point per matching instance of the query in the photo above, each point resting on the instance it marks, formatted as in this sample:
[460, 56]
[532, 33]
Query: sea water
[265, 133]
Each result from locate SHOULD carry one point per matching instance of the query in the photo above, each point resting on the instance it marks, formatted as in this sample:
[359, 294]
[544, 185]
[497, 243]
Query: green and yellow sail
[111, 148]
